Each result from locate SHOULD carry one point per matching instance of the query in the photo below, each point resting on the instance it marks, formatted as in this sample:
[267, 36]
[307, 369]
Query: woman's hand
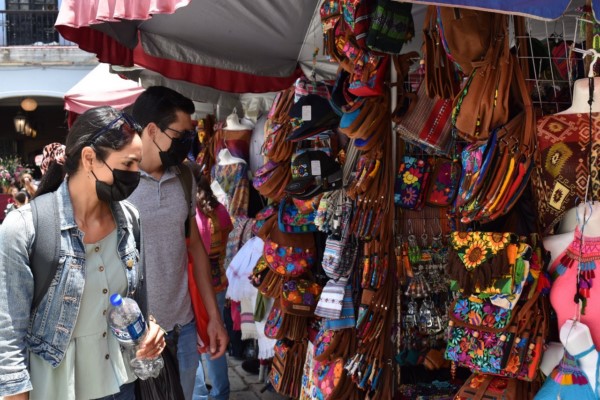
[153, 343]
[20, 396]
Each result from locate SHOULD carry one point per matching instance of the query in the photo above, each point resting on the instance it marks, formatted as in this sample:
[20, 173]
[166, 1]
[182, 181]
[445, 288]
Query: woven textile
[563, 165]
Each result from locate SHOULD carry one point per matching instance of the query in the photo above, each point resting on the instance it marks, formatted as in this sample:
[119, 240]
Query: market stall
[406, 206]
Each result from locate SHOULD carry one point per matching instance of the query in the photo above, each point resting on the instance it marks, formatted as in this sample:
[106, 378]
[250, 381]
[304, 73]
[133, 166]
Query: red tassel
[567, 261]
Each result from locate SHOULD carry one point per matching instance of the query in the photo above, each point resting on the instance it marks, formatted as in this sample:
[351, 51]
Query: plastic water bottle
[127, 323]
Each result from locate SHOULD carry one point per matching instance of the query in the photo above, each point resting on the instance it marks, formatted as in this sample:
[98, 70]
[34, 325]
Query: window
[31, 21]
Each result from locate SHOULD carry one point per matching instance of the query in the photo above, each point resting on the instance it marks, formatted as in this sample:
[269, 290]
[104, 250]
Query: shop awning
[539, 9]
[101, 87]
[250, 46]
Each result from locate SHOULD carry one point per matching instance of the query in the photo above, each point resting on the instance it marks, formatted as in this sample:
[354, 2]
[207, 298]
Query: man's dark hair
[21, 198]
[160, 104]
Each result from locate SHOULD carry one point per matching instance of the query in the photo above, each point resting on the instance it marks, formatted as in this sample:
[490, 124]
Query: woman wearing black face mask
[71, 352]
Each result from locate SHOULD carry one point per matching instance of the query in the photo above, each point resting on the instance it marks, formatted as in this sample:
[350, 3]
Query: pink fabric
[204, 227]
[100, 87]
[77, 13]
[561, 297]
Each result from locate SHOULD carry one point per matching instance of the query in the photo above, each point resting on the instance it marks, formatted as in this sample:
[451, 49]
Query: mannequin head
[575, 217]
[233, 123]
[581, 95]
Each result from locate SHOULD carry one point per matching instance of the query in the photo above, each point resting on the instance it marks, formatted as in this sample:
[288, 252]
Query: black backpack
[45, 254]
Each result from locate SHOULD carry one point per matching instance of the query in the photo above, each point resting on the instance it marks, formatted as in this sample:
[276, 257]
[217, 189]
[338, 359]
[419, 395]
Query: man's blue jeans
[127, 393]
[188, 357]
[215, 369]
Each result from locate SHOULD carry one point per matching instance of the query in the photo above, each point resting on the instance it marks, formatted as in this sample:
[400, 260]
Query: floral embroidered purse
[411, 182]
[493, 340]
[299, 297]
[444, 183]
[273, 324]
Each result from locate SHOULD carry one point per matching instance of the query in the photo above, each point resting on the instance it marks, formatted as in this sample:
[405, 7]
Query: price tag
[315, 167]
[306, 113]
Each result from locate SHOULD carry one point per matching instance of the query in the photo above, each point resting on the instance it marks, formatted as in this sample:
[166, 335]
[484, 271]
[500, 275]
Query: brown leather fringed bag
[507, 162]
[374, 345]
[441, 76]
[490, 387]
[483, 104]
[404, 99]
[468, 34]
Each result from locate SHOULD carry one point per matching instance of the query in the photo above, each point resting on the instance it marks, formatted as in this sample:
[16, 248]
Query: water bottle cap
[116, 299]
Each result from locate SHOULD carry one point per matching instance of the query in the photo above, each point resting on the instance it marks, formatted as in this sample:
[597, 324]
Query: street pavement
[245, 386]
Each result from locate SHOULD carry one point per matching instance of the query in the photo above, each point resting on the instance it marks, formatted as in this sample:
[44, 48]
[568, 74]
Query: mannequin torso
[563, 289]
[577, 339]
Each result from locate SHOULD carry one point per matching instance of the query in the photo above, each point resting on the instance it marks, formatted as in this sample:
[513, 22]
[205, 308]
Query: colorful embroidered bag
[411, 182]
[427, 123]
[273, 324]
[488, 387]
[494, 340]
[259, 272]
[286, 371]
[392, 25]
[478, 259]
[299, 297]
[292, 219]
[289, 255]
[357, 16]
[304, 86]
[444, 183]
[369, 75]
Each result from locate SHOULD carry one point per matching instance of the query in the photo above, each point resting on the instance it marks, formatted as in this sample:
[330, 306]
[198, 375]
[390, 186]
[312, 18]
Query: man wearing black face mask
[167, 136]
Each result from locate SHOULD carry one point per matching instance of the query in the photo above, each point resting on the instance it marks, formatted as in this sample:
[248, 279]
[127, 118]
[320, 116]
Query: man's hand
[218, 338]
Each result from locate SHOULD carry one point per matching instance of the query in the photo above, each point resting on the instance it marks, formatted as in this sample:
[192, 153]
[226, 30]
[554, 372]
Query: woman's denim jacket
[46, 330]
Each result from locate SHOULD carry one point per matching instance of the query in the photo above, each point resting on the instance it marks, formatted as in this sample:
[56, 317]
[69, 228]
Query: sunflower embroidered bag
[479, 262]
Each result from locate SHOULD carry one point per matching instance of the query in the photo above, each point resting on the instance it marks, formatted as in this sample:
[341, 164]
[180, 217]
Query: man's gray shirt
[163, 211]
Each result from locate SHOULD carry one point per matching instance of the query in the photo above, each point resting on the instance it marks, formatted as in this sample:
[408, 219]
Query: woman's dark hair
[103, 128]
[204, 186]
[160, 104]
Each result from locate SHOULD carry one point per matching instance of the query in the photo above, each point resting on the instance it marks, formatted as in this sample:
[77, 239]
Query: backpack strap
[185, 177]
[45, 253]
[141, 295]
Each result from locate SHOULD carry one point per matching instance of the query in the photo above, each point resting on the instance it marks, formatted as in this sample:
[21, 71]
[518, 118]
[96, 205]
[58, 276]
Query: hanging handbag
[489, 339]
[467, 34]
[357, 16]
[489, 387]
[497, 172]
[411, 182]
[477, 259]
[444, 181]
[369, 74]
[286, 371]
[441, 76]
[391, 26]
[483, 104]
[428, 123]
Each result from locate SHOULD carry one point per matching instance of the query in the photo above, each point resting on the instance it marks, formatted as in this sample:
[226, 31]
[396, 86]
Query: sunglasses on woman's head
[128, 126]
